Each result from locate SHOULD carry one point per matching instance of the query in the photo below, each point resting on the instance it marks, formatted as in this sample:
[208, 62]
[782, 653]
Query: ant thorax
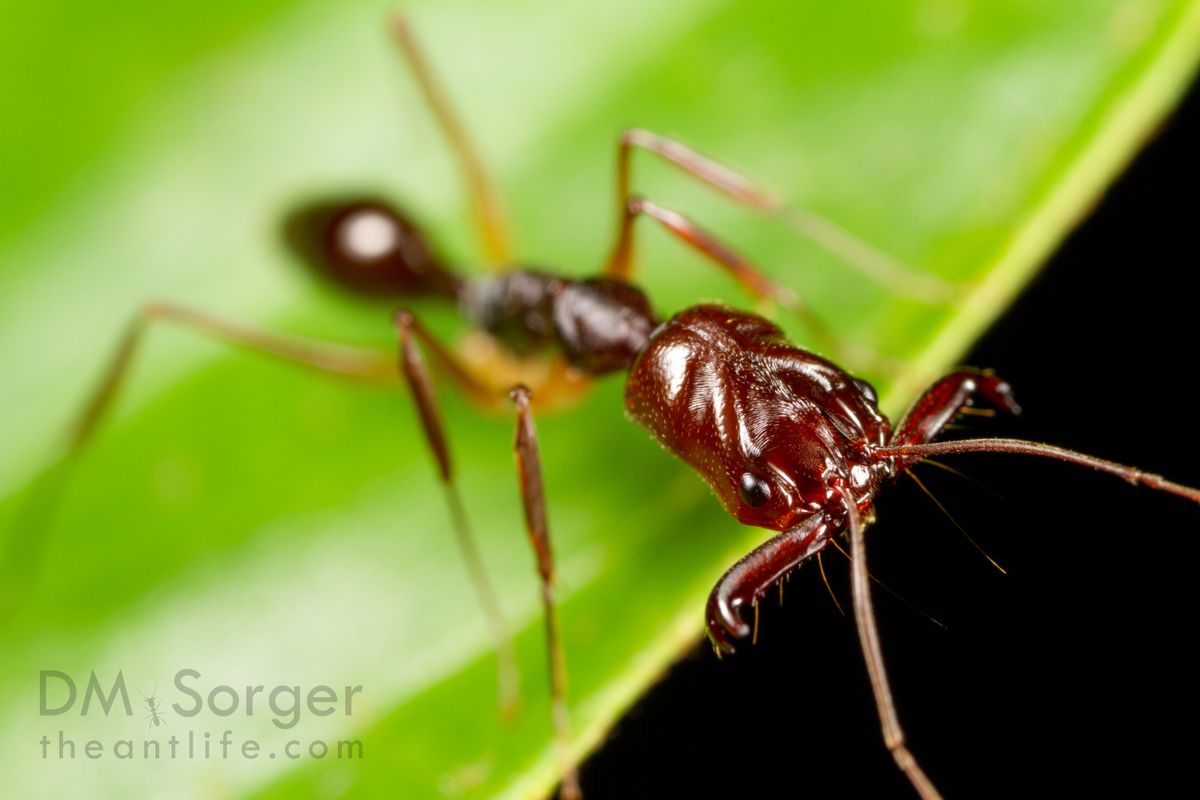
[778, 433]
[599, 324]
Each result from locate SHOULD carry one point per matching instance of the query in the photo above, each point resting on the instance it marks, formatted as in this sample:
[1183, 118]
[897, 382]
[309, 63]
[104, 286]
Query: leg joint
[404, 320]
[639, 137]
[156, 309]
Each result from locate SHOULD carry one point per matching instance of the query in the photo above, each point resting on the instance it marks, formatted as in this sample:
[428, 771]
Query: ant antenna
[868, 637]
[1024, 447]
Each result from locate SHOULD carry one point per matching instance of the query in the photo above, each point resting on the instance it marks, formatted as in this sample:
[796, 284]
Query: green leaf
[262, 525]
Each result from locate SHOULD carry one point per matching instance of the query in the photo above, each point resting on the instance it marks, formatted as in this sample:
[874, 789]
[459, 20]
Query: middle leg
[823, 232]
[533, 496]
[757, 284]
[412, 366]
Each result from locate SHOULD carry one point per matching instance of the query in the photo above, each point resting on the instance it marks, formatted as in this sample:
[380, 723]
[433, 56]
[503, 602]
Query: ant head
[368, 247]
[780, 480]
[778, 433]
[801, 465]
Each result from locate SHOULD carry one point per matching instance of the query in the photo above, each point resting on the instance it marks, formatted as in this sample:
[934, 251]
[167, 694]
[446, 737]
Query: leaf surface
[262, 525]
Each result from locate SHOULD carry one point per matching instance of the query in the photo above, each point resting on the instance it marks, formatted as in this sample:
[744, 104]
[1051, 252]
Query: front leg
[945, 399]
[823, 232]
[751, 577]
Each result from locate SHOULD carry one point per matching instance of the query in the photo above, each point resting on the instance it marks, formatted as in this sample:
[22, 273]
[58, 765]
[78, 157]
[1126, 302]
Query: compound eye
[754, 490]
[866, 390]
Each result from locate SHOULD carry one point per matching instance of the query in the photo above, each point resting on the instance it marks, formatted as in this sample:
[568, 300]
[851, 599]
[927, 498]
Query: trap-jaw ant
[786, 439]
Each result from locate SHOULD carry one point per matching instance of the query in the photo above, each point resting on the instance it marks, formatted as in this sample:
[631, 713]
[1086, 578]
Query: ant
[156, 716]
[786, 439]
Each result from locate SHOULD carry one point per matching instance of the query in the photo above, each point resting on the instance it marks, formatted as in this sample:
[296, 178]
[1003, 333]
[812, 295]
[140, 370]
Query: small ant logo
[156, 715]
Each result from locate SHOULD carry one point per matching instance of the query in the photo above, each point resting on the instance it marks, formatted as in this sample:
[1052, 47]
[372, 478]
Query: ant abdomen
[368, 247]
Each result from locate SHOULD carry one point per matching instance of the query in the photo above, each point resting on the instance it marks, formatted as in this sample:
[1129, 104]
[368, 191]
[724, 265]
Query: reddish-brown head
[774, 430]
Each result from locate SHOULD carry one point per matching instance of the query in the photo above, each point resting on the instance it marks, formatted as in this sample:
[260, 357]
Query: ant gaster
[786, 439]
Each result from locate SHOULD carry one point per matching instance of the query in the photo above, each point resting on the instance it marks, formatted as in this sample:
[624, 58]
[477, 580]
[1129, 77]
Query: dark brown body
[696, 382]
[598, 324]
[787, 440]
[782, 436]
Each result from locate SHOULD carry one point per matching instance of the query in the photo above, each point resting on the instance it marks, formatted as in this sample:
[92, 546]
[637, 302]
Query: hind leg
[336, 360]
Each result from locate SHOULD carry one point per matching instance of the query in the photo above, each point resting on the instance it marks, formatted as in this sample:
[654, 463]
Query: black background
[1070, 674]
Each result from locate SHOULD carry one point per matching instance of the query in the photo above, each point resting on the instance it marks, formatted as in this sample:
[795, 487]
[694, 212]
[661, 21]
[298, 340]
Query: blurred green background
[266, 526]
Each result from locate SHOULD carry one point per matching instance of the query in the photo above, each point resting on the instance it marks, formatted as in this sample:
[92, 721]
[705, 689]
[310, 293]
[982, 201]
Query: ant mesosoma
[787, 440]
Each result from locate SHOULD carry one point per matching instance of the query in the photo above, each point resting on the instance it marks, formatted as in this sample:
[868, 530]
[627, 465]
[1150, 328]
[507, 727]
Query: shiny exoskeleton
[785, 438]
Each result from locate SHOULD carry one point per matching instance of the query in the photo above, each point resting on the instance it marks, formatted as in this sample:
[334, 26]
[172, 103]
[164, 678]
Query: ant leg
[620, 267]
[821, 231]
[342, 360]
[868, 637]
[751, 577]
[48, 489]
[488, 212]
[945, 399]
[529, 472]
[718, 176]
[345, 362]
[22, 552]
[620, 261]
[421, 384]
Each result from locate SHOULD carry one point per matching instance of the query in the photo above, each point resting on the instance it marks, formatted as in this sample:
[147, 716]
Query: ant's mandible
[786, 439]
